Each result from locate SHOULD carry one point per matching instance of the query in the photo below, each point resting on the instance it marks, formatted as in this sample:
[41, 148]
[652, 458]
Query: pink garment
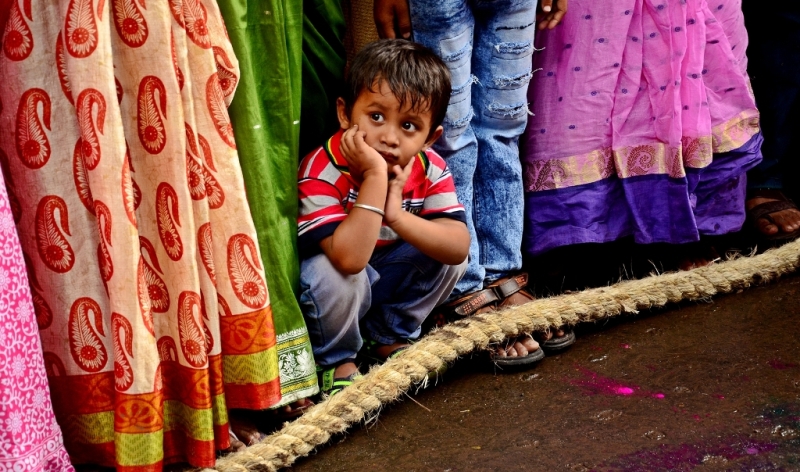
[637, 87]
[30, 438]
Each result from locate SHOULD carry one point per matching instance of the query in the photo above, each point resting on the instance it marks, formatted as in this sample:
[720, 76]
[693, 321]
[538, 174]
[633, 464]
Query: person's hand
[362, 160]
[394, 196]
[551, 12]
[392, 18]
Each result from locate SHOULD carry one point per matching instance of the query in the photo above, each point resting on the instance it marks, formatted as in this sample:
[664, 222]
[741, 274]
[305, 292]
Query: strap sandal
[555, 344]
[330, 385]
[765, 210]
[507, 291]
[516, 361]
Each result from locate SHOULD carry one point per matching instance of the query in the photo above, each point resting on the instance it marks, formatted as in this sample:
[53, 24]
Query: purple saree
[644, 124]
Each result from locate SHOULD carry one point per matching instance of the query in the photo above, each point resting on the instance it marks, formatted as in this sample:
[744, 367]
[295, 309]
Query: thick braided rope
[386, 383]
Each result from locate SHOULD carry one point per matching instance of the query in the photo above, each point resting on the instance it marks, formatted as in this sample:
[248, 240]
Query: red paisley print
[118, 87]
[157, 290]
[248, 284]
[18, 39]
[85, 345]
[224, 309]
[61, 68]
[225, 70]
[167, 350]
[80, 28]
[151, 114]
[90, 143]
[122, 336]
[130, 23]
[33, 148]
[208, 158]
[104, 227]
[13, 201]
[206, 248]
[193, 341]
[54, 249]
[219, 113]
[178, 71]
[81, 178]
[195, 21]
[195, 177]
[144, 299]
[53, 365]
[169, 221]
[44, 315]
[128, 195]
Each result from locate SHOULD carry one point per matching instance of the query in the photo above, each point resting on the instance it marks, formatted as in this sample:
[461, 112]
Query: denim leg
[411, 284]
[332, 305]
[501, 61]
[447, 27]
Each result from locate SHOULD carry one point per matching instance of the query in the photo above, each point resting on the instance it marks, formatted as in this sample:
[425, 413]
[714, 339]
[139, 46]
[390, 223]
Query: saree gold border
[737, 131]
[630, 161]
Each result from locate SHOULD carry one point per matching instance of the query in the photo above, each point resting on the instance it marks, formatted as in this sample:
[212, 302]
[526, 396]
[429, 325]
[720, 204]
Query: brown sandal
[507, 291]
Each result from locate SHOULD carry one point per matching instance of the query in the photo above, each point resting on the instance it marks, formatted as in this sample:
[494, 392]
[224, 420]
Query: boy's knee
[319, 277]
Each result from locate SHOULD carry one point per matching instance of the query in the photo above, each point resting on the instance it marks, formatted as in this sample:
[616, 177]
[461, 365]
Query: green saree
[284, 53]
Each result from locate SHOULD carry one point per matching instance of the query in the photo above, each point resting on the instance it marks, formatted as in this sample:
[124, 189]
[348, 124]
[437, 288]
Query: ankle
[345, 370]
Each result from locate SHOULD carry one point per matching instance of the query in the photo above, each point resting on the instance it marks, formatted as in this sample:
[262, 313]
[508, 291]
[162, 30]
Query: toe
[766, 227]
[529, 343]
[521, 351]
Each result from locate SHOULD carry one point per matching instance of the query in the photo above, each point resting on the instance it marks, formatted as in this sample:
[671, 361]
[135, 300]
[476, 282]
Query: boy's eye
[376, 117]
[409, 126]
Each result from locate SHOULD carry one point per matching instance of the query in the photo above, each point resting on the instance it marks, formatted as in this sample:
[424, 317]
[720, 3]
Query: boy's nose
[389, 138]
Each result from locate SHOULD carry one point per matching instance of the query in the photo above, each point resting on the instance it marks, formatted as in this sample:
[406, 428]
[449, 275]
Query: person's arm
[352, 243]
[392, 18]
[443, 239]
[551, 13]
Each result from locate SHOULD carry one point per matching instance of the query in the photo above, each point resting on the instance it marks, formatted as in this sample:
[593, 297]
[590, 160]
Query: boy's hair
[413, 73]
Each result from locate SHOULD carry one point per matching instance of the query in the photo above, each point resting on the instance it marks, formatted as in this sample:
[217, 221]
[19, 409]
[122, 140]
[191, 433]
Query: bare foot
[783, 221]
[386, 350]
[243, 426]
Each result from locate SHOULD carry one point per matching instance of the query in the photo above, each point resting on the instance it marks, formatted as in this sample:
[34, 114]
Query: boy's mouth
[388, 156]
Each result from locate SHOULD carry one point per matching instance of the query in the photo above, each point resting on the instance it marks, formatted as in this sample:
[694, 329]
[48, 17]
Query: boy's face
[397, 134]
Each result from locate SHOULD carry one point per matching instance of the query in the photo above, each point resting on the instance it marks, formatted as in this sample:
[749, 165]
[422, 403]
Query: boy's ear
[341, 112]
[437, 133]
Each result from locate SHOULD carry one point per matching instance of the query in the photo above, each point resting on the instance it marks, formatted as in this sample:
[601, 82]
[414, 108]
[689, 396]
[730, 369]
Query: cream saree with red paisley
[126, 188]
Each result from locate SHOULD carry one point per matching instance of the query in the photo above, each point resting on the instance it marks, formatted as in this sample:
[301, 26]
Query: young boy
[382, 236]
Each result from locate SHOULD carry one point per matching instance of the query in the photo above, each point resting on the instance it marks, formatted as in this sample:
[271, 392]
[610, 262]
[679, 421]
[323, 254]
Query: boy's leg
[502, 61]
[332, 304]
[447, 27]
[411, 284]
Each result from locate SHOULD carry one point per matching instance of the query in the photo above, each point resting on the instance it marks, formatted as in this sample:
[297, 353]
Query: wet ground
[710, 386]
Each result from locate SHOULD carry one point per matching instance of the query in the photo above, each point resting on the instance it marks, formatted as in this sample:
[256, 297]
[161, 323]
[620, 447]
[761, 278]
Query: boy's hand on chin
[362, 159]
[394, 196]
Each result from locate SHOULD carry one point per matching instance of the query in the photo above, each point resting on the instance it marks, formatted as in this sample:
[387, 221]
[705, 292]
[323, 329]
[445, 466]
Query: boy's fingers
[559, 15]
[547, 5]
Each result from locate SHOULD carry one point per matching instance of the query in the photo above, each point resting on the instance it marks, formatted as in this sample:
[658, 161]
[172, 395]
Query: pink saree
[644, 124]
[30, 438]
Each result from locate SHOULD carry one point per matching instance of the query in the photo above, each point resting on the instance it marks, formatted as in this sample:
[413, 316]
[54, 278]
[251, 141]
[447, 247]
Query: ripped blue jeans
[487, 45]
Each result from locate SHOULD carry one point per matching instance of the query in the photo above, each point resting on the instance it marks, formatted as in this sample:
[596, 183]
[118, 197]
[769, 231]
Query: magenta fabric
[30, 439]
[641, 109]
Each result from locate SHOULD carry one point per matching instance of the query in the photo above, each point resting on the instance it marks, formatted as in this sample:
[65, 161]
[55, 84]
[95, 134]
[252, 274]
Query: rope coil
[387, 382]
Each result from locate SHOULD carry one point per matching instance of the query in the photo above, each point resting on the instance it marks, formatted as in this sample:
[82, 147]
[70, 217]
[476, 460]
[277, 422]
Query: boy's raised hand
[394, 196]
[362, 159]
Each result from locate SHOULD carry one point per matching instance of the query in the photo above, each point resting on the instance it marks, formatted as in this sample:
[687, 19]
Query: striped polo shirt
[327, 193]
